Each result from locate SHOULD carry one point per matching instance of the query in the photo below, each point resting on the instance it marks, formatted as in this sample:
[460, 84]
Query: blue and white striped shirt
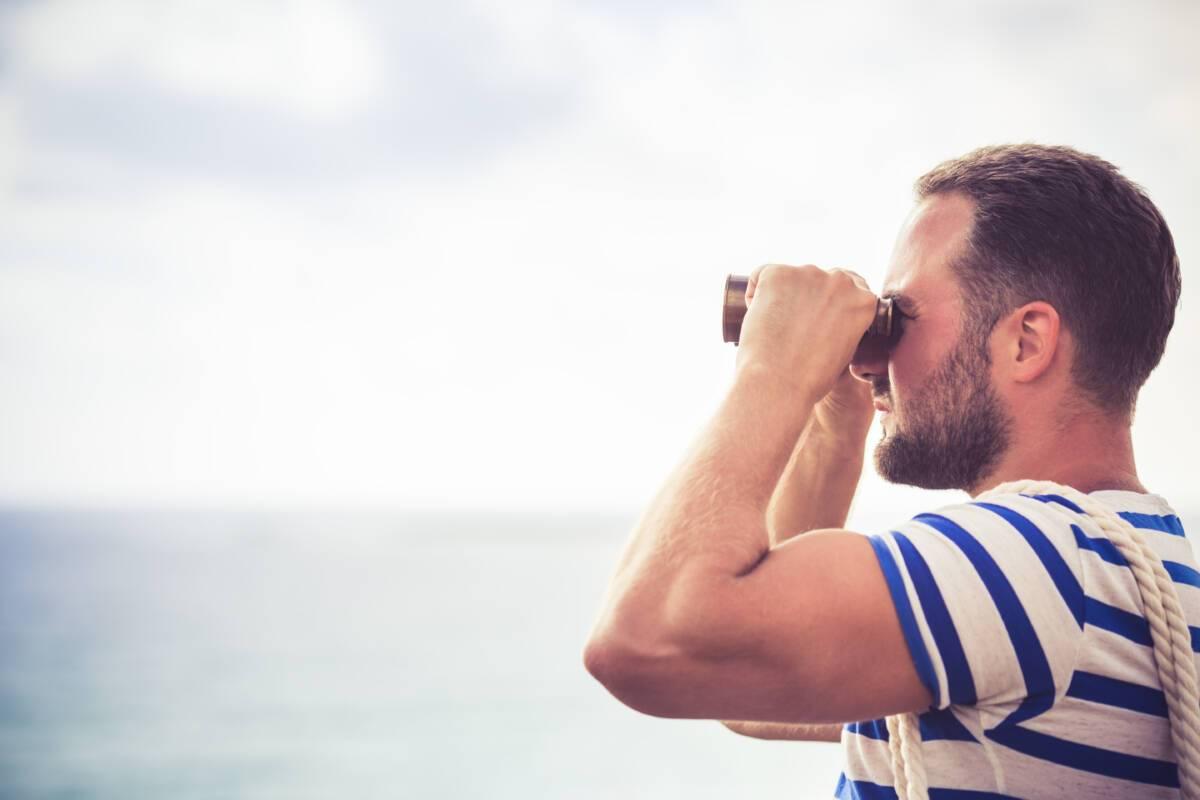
[1026, 625]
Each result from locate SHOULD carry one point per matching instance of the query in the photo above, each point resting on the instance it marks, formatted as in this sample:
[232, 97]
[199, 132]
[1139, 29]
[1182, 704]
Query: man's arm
[822, 475]
[816, 491]
[705, 620]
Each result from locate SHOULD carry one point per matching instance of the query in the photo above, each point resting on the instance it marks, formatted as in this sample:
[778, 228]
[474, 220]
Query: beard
[954, 431]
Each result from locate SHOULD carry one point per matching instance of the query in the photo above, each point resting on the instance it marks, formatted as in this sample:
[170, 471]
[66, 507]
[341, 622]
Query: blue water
[336, 656]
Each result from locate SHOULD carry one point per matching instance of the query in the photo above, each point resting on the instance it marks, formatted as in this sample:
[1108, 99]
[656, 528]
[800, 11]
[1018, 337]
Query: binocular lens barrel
[733, 311]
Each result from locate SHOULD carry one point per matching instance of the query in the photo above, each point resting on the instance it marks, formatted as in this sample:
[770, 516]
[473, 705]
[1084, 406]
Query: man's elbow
[632, 674]
[596, 659]
[652, 659]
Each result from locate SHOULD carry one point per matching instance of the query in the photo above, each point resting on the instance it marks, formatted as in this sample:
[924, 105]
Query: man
[1036, 287]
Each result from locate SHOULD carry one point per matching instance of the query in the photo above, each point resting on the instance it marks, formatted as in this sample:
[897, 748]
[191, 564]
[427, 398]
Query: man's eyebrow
[899, 298]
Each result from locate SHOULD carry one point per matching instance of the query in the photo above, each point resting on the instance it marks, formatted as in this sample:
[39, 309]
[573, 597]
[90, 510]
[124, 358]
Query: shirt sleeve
[989, 596]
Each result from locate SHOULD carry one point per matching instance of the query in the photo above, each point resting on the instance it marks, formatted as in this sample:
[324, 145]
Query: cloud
[279, 92]
[311, 57]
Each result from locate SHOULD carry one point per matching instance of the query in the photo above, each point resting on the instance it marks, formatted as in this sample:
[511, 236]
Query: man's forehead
[933, 235]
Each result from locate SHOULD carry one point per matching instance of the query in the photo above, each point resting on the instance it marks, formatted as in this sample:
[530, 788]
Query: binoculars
[877, 341]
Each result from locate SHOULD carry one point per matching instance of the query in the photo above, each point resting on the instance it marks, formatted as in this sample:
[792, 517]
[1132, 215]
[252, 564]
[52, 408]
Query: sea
[328, 655]
[250, 655]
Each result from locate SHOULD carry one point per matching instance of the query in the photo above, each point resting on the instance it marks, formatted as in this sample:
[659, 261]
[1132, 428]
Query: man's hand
[803, 324]
[786, 731]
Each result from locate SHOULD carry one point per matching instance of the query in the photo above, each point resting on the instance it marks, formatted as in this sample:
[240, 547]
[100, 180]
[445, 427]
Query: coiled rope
[1168, 631]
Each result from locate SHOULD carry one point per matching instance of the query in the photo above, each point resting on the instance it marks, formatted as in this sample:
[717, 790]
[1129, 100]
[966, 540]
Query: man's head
[1043, 256]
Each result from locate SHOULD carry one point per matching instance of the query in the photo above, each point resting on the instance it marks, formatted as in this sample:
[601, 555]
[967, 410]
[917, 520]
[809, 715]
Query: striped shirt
[1026, 625]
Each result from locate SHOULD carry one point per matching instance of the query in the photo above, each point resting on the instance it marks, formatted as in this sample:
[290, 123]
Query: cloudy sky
[469, 255]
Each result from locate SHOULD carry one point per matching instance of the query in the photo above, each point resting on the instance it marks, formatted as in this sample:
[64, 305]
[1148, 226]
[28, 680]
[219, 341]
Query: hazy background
[342, 343]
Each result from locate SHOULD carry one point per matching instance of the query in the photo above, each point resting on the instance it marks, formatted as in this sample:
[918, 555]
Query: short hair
[1054, 224]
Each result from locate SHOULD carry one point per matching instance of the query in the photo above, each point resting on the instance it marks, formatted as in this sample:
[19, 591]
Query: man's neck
[1089, 454]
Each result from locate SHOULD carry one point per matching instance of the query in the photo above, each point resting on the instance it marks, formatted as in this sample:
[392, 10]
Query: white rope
[904, 741]
[1168, 631]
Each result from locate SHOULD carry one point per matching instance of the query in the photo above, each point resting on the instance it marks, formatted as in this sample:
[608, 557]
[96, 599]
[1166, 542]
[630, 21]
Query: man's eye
[899, 320]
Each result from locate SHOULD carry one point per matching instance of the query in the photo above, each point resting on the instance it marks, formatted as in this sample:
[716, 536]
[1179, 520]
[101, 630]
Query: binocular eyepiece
[878, 339]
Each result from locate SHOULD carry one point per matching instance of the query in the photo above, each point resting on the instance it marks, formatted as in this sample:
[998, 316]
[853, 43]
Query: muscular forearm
[779, 730]
[818, 484]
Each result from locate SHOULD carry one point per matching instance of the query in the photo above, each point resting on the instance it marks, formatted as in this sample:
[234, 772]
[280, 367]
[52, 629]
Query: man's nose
[870, 361]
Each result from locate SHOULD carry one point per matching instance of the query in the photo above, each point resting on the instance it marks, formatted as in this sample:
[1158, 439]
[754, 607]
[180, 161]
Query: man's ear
[1030, 341]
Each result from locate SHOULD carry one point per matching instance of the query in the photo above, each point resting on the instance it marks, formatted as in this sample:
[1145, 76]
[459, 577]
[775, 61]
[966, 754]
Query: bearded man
[1035, 288]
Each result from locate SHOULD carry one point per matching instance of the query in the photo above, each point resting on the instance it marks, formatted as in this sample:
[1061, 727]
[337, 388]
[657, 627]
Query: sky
[468, 255]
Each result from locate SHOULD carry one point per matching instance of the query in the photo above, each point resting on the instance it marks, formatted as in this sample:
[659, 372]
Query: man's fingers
[859, 280]
[752, 284]
[756, 276]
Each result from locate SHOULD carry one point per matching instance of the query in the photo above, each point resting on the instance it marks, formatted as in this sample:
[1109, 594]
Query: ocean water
[205, 655]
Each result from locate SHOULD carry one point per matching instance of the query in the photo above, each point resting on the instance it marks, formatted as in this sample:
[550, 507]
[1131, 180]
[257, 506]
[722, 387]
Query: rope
[1168, 631]
[904, 741]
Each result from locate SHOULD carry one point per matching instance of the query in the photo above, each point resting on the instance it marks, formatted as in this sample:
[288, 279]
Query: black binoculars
[877, 341]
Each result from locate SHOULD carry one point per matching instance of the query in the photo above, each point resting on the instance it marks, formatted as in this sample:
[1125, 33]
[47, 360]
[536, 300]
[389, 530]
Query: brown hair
[1061, 226]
